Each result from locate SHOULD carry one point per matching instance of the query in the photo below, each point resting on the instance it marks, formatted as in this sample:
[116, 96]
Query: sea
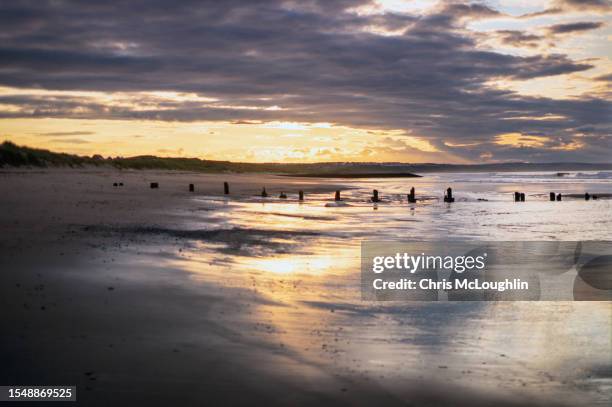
[303, 257]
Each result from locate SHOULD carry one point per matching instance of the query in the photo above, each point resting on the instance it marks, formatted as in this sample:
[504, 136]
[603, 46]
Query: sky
[311, 80]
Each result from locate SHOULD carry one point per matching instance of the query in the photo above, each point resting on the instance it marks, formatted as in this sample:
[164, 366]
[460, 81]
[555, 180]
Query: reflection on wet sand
[546, 350]
[171, 296]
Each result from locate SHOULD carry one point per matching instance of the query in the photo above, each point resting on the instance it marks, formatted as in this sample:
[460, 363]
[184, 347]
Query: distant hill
[12, 155]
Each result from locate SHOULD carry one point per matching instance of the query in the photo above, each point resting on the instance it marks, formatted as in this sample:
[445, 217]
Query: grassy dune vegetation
[12, 155]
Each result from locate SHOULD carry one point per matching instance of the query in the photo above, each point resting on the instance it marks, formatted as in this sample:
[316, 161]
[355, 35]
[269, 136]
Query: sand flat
[148, 296]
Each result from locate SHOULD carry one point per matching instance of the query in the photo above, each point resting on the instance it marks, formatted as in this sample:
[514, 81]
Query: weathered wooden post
[375, 196]
[594, 197]
[115, 184]
[517, 196]
[154, 185]
[282, 195]
[558, 197]
[337, 197]
[264, 194]
[522, 197]
[226, 188]
[587, 196]
[191, 187]
[552, 196]
[121, 184]
[449, 195]
[301, 195]
[411, 196]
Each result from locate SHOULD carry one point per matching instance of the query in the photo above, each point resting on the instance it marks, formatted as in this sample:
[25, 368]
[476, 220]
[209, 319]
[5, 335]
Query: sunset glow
[407, 81]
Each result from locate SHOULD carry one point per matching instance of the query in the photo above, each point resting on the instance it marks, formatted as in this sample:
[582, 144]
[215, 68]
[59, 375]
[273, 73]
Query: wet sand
[107, 288]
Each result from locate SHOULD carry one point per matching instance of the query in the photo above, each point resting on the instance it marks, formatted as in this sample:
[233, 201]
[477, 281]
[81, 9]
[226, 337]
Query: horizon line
[389, 163]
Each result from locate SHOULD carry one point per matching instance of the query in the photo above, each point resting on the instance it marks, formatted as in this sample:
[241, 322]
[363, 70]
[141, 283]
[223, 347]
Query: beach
[158, 296]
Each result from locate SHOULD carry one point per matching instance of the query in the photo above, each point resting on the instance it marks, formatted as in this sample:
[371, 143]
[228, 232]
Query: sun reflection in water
[304, 260]
[292, 264]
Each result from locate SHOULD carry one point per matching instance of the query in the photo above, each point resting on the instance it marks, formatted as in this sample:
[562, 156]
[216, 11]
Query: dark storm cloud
[585, 4]
[604, 78]
[517, 38]
[459, 10]
[314, 59]
[548, 35]
[573, 27]
[561, 6]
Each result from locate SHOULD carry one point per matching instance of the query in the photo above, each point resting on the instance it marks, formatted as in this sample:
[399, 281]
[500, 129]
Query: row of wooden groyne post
[520, 197]
[226, 191]
[448, 196]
